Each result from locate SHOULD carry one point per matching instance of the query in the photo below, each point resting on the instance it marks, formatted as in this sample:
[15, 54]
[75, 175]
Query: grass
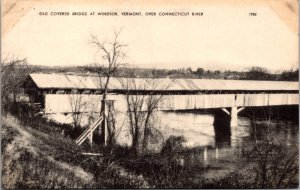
[27, 164]
[34, 159]
[37, 153]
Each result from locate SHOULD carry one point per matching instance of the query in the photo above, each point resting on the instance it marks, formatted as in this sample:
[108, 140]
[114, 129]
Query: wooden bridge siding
[175, 102]
[249, 100]
[61, 103]
[65, 103]
[291, 99]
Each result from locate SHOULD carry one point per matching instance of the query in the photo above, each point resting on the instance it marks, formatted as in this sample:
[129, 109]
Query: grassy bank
[38, 153]
[34, 159]
[29, 163]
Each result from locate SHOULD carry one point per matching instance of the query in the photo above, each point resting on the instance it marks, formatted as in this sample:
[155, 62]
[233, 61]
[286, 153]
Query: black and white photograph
[127, 94]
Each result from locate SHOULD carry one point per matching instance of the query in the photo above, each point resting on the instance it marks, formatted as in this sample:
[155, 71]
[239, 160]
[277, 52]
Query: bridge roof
[64, 81]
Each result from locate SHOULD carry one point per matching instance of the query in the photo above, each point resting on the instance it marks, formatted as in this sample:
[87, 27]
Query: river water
[211, 131]
[200, 129]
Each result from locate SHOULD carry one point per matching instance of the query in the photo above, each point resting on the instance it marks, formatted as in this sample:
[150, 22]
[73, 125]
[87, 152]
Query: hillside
[34, 159]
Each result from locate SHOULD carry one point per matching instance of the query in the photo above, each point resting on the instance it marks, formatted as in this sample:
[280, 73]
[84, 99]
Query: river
[210, 130]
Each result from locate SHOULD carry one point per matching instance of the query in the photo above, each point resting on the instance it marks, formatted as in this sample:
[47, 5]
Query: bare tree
[77, 107]
[276, 164]
[112, 53]
[13, 74]
[267, 163]
[141, 108]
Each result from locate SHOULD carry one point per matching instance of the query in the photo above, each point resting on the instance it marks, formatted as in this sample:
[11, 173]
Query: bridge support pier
[233, 115]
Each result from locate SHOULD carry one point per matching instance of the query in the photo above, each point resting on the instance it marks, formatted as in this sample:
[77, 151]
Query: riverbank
[40, 154]
[34, 159]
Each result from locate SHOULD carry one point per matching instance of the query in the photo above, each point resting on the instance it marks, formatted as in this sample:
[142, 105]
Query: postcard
[149, 94]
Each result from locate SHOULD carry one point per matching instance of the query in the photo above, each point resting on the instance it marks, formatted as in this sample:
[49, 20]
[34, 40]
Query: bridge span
[56, 92]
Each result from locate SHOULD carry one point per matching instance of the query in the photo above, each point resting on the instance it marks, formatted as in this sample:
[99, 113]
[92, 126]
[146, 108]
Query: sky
[225, 37]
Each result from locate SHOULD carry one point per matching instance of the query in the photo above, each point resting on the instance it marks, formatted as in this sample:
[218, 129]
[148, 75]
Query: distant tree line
[252, 73]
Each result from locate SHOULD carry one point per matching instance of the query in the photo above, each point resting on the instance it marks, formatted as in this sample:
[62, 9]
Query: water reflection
[214, 129]
[222, 130]
[196, 128]
[217, 140]
[211, 131]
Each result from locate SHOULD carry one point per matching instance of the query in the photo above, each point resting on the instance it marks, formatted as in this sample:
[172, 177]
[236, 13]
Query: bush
[173, 146]
[165, 169]
[265, 165]
[105, 169]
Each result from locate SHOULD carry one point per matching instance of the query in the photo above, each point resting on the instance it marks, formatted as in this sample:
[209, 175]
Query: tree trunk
[146, 131]
[103, 123]
[15, 97]
[102, 111]
[111, 123]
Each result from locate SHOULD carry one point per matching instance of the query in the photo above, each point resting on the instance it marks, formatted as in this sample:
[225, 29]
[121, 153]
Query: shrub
[173, 146]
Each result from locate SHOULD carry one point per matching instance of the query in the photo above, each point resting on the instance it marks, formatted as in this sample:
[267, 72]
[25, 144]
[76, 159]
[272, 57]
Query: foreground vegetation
[38, 153]
[30, 163]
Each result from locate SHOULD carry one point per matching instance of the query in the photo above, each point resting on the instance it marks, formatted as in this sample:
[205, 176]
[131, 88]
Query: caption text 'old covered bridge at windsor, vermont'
[53, 92]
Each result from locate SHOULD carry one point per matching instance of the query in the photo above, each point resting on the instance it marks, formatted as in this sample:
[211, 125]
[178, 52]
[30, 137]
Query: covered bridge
[57, 92]
[38, 84]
